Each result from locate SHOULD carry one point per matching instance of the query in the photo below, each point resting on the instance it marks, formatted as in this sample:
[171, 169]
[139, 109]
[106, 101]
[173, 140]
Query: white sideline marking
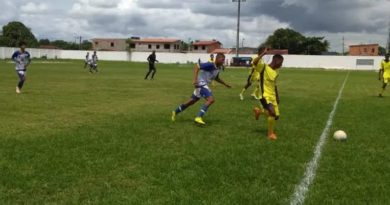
[310, 173]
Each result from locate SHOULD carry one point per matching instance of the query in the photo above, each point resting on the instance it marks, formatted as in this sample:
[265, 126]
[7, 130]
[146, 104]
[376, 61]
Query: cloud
[358, 20]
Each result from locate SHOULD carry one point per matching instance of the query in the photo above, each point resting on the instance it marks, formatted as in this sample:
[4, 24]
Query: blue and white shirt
[21, 60]
[208, 72]
[94, 59]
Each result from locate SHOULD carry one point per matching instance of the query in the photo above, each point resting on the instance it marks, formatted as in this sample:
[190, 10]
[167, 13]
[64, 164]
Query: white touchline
[310, 173]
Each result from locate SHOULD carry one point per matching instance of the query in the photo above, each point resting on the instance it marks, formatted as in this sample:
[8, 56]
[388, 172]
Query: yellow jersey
[269, 84]
[386, 69]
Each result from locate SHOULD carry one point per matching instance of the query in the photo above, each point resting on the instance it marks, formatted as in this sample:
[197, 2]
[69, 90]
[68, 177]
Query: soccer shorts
[271, 102]
[21, 74]
[201, 92]
[386, 80]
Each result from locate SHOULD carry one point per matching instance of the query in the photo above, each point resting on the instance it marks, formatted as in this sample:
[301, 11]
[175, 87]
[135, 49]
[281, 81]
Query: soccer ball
[340, 135]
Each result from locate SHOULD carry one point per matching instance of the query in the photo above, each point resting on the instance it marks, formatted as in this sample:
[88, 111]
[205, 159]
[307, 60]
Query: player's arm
[380, 73]
[28, 61]
[196, 72]
[257, 59]
[15, 57]
[219, 80]
[277, 94]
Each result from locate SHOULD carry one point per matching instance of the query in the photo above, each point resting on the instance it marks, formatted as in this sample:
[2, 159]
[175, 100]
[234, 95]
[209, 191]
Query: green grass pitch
[76, 138]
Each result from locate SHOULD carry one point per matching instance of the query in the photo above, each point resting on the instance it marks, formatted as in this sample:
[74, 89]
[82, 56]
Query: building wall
[364, 50]
[207, 49]
[158, 47]
[293, 61]
[109, 44]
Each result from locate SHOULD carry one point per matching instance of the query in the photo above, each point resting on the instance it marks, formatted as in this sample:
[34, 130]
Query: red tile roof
[222, 50]
[205, 43]
[156, 40]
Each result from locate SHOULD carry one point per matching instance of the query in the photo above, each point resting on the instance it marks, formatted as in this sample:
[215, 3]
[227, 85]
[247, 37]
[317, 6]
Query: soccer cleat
[199, 121]
[380, 95]
[17, 90]
[272, 136]
[257, 112]
[241, 96]
[173, 117]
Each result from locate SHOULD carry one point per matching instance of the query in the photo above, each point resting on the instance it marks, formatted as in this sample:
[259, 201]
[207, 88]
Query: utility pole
[343, 46]
[238, 24]
[388, 41]
[80, 43]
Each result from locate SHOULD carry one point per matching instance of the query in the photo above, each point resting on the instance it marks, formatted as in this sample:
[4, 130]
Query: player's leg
[154, 71]
[273, 115]
[385, 82]
[22, 79]
[207, 94]
[247, 85]
[148, 73]
[194, 98]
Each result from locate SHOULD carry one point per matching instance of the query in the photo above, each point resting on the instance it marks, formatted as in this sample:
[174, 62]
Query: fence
[293, 61]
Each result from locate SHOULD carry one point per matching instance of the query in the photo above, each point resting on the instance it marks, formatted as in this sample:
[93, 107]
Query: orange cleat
[257, 112]
[272, 136]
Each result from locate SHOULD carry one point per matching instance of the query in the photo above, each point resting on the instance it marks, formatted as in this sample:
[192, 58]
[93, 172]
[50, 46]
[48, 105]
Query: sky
[358, 21]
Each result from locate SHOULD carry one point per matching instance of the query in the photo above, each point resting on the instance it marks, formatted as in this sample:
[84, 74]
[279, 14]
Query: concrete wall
[294, 61]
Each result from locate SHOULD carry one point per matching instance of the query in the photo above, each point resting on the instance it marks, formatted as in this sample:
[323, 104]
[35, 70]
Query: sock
[271, 124]
[243, 91]
[180, 109]
[203, 110]
[20, 84]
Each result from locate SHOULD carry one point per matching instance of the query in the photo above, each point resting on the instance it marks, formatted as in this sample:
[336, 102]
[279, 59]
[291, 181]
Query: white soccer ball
[340, 135]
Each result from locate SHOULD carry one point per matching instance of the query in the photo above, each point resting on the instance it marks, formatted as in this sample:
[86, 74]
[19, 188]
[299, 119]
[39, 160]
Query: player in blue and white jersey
[87, 60]
[94, 61]
[22, 61]
[204, 73]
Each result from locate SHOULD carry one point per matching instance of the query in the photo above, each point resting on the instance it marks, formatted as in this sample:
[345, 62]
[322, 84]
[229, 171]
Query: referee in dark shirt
[152, 68]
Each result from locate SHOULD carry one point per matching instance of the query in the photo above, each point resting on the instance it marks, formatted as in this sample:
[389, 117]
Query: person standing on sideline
[152, 68]
[86, 60]
[22, 61]
[384, 73]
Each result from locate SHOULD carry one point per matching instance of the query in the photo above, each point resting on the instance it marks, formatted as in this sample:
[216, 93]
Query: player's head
[212, 56]
[22, 45]
[261, 49]
[277, 61]
[153, 52]
[219, 59]
[387, 56]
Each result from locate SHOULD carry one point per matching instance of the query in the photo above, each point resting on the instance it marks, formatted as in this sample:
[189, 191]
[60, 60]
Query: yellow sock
[271, 124]
[243, 91]
[257, 92]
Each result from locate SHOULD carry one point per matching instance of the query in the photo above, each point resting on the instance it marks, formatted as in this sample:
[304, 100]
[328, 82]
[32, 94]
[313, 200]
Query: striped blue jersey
[208, 72]
[21, 60]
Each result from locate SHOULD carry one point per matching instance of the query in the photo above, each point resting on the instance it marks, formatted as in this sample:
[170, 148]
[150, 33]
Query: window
[203, 47]
[167, 46]
[96, 43]
[365, 50]
[373, 50]
[195, 47]
[132, 45]
[150, 46]
[112, 44]
[157, 46]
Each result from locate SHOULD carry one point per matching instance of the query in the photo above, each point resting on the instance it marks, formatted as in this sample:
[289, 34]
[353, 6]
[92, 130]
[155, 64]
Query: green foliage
[15, 32]
[296, 43]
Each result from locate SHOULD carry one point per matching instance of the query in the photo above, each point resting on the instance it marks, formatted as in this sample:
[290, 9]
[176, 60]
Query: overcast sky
[359, 21]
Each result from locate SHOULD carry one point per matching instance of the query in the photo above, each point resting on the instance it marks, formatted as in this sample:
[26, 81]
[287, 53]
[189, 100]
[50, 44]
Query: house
[364, 50]
[155, 44]
[205, 46]
[107, 44]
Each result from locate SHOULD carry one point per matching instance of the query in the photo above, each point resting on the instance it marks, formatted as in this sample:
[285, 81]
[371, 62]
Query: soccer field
[73, 137]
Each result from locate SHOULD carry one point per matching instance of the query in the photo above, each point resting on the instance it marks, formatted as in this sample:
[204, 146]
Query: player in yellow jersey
[254, 76]
[384, 73]
[270, 96]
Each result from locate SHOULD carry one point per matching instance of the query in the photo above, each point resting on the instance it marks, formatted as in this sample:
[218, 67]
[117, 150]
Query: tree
[15, 32]
[44, 42]
[296, 43]
[86, 45]
[382, 51]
